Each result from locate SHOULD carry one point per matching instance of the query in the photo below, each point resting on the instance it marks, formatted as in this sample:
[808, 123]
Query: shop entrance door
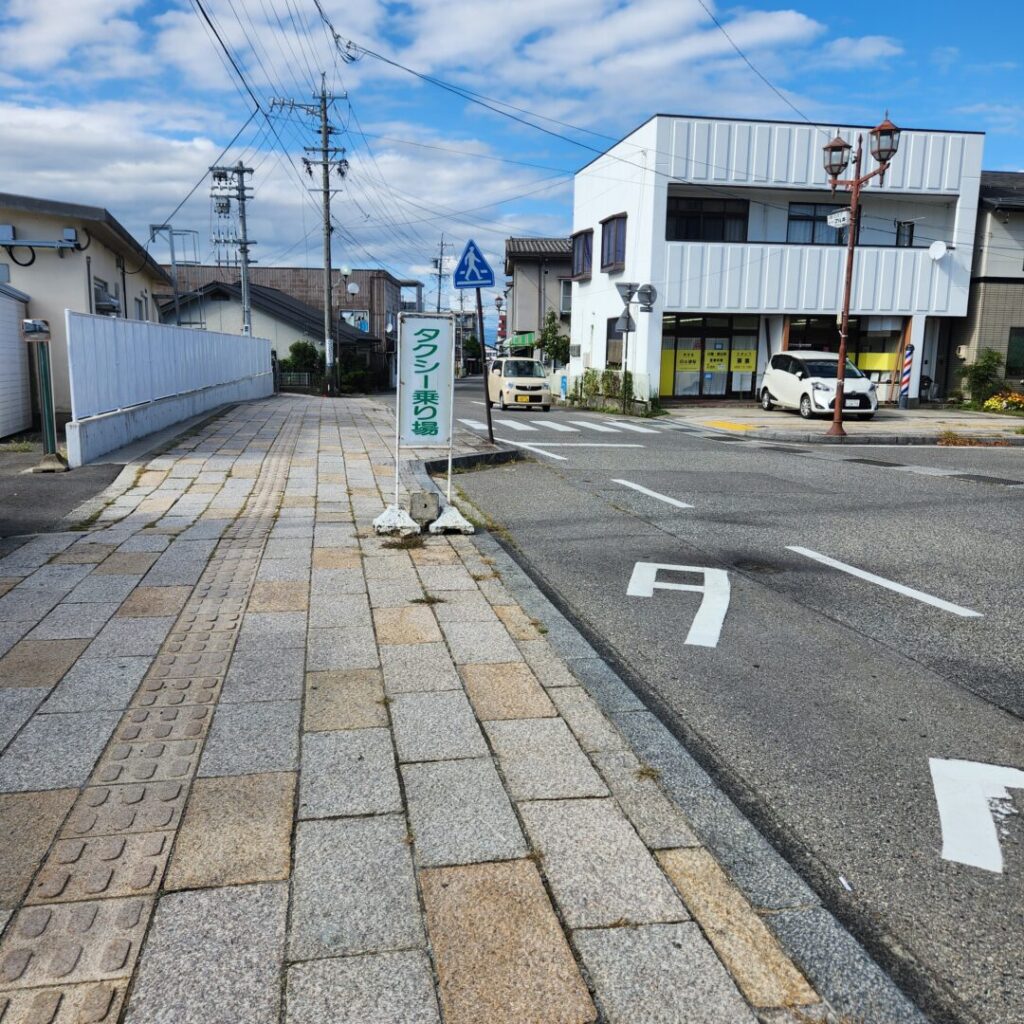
[714, 379]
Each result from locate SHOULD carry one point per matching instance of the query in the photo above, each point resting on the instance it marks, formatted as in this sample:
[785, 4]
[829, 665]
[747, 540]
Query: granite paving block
[417, 668]
[16, 707]
[445, 577]
[282, 569]
[145, 541]
[500, 953]
[97, 684]
[519, 625]
[131, 562]
[480, 642]
[541, 760]
[52, 578]
[463, 606]
[335, 581]
[599, 870]
[345, 648]
[435, 726]
[393, 593]
[660, 823]
[586, 720]
[64, 944]
[268, 630]
[279, 596]
[434, 552]
[509, 690]
[660, 973]
[28, 823]
[751, 953]
[344, 700]
[460, 813]
[213, 957]
[28, 605]
[154, 602]
[409, 625]
[237, 830]
[839, 968]
[353, 889]
[74, 621]
[11, 633]
[382, 988]
[604, 685]
[259, 675]
[55, 751]
[262, 736]
[340, 610]
[337, 558]
[131, 636]
[83, 553]
[348, 773]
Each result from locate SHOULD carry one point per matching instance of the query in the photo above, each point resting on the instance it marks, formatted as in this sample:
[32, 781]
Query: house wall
[57, 283]
[15, 379]
[934, 180]
[529, 301]
[995, 307]
[1000, 244]
[225, 315]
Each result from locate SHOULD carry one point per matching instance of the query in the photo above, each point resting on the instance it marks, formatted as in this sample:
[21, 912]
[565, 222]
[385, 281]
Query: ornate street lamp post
[885, 142]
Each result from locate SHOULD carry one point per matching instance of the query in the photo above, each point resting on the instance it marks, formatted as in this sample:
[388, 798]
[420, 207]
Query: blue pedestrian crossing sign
[473, 270]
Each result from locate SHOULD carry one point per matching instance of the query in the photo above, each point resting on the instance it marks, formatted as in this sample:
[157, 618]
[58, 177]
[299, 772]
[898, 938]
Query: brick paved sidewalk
[259, 765]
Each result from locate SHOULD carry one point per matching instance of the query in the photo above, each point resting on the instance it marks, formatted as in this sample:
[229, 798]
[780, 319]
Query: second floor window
[582, 255]
[613, 243]
[808, 225]
[565, 296]
[904, 234]
[706, 220]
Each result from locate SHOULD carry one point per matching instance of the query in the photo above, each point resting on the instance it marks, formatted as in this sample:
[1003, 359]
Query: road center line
[653, 494]
[899, 588]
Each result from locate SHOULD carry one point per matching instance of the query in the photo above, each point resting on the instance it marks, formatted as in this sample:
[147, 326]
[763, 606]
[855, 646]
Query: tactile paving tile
[147, 761]
[96, 1003]
[116, 810]
[190, 619]
[186, 723]
[161, 693]
[102, 868]
[199, 642]
[187, 666]
[65, 943]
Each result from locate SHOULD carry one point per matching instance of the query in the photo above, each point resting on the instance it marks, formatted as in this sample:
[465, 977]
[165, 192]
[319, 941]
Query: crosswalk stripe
[555, 425]
[475, 424]
[515, 425]
[600, 427]
[634, 428]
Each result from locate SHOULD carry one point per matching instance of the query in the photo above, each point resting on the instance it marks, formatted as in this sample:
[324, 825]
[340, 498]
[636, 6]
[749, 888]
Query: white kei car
[807, 381]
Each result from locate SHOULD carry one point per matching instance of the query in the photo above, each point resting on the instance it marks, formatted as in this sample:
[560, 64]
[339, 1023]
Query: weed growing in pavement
[18, 446]
[414, 540]
[645, 771]
[428, 599]
[951, 439]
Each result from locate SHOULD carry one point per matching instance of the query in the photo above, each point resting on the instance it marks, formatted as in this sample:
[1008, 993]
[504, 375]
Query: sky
[126, 103]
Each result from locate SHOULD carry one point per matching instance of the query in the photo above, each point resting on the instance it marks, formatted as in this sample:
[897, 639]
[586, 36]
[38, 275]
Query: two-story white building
[727, 218]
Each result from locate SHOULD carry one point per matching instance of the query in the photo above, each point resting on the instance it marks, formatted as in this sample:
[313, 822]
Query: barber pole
[908, 362]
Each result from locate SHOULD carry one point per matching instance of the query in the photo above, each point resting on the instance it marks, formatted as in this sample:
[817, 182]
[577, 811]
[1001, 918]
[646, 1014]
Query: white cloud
[851, 52]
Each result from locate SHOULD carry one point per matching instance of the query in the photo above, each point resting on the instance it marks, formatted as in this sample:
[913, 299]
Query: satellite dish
[937, 250]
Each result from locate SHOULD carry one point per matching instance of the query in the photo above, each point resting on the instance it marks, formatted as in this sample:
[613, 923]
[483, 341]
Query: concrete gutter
[820, 437]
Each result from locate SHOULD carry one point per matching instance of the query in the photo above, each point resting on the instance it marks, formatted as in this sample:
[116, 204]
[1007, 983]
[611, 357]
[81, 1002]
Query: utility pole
[241, 191]
[330, 157]
[439, 264]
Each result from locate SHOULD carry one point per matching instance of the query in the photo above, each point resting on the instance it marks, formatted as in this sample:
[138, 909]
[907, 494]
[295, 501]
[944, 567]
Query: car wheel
[806, 410]
[766, 401]
[545, 408]
[501, 402]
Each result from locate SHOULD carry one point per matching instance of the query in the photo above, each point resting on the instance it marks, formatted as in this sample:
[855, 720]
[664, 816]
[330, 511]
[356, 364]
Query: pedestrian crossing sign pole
[473, 271]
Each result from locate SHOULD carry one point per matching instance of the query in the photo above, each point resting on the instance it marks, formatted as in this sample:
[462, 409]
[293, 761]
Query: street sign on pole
[838, 219]
[425, 378]
[627, 289]
[625, 322]
[473, 270]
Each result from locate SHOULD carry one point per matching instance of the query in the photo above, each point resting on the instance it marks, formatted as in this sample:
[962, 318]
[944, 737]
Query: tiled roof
[538, 247]
[1003, 189]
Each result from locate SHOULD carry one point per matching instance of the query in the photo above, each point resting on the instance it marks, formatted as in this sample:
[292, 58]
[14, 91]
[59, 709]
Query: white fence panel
[15, 382]
[116, 364]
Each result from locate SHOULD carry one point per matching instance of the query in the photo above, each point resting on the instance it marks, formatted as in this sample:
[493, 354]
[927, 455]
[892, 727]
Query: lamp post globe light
[885, 143]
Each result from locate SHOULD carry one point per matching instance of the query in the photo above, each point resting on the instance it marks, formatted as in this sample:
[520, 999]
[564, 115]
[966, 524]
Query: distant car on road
[807, 381]
[516, 382]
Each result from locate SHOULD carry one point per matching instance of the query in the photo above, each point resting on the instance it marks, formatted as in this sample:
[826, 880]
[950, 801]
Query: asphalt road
[826, 694]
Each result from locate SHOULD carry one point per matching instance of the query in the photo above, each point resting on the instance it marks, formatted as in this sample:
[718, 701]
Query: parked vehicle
[513, 382]
[807, 381]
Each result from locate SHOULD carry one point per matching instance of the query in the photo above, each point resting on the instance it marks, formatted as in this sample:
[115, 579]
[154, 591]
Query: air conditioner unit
[107, 304]
[961, 351]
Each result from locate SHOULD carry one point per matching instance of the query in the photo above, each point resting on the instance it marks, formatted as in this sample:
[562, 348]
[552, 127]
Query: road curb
[910, 440]
[831, 958]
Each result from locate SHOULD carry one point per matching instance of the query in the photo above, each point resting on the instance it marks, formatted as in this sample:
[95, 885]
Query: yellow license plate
[522, 398]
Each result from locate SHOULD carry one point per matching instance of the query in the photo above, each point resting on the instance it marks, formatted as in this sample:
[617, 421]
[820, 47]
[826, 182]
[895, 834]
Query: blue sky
[124, 103]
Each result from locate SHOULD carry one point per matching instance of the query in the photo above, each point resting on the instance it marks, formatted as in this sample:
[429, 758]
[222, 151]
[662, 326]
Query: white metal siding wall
[115, 364]
[15, 382]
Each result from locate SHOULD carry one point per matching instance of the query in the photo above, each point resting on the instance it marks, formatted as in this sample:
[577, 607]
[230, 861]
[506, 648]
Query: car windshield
[524, 368]
[826, 368]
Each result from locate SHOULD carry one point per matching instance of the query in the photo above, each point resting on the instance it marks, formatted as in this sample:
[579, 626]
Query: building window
[139, 310]
[706, 220]
[808, 225]
[613, 346]
[582, 255]
[613, 243]
[100, 292]
[904, 234]
[565, 297]
[1015, 353]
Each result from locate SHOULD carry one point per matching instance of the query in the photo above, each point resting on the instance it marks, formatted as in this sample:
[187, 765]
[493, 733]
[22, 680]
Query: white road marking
[634, 428]
[929, 470]
[515, 425]
[555, 425]
[964, 791]
[653, 494]
[600, 427]
[475, 402]
[475, 424]
[707, 624]
[531, 448]
[899, 588]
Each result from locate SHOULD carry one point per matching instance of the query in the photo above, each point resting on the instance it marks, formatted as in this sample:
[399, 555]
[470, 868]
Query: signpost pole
[483, 362]
[451, 427]
[398, 408]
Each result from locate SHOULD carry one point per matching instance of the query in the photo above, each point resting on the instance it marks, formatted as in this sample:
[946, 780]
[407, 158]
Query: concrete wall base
[89, 438]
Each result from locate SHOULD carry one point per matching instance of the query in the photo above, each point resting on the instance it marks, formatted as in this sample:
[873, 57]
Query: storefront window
[708, 356]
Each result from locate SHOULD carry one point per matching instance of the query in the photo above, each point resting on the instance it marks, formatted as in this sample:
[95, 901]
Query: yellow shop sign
[744, 360]
[716, 361]
[688, 360]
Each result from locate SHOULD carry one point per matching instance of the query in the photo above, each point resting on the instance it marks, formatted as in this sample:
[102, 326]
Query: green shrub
[984, 376]
[591, 384]
[627, 387]
[610, 383]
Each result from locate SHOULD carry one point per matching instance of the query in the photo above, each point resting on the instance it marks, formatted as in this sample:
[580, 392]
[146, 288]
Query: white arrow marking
[964, 791]
[707, 623]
